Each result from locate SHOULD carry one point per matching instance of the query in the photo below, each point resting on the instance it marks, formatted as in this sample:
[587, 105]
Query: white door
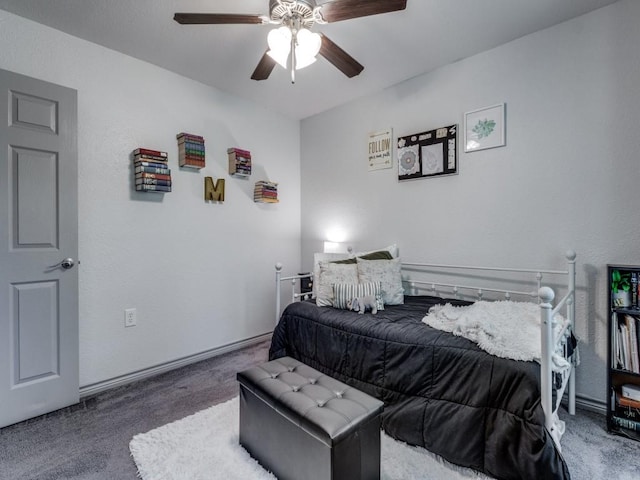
[38, 248]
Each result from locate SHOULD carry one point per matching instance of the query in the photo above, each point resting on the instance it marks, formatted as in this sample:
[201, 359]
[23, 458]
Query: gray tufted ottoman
[303, 425]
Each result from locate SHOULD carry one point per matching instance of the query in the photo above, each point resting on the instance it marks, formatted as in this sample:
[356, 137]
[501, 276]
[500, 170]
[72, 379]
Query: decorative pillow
[323, 257]
[380, 255]
[392, 249]
[343, 292]
[387, 272]
[331, 273]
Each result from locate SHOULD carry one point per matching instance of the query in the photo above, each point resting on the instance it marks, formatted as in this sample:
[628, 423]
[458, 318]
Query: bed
[442, 391]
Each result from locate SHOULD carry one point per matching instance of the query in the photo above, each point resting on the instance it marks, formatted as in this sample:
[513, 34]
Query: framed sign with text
[380, 148]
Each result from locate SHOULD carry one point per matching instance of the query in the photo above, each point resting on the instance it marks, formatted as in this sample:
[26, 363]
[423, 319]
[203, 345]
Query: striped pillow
[343, 292]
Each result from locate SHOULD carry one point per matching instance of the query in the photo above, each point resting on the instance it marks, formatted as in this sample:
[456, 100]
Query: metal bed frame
[552, 343]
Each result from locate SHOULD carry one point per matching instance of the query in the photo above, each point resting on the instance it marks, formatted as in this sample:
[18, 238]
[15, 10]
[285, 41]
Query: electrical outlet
[130, 317]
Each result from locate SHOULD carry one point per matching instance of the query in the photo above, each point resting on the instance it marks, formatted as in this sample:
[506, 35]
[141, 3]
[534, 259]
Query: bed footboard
[558, 352]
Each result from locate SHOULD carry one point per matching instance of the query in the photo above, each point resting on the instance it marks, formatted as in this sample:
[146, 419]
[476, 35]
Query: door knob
[67, 263]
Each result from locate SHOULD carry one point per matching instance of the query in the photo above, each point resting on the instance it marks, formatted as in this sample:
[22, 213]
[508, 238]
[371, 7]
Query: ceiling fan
[293, 45]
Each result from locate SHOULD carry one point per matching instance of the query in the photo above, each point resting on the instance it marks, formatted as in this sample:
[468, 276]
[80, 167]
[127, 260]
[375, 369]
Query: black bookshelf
[623, 353]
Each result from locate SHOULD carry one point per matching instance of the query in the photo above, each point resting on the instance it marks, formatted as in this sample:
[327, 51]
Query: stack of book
[265, 192]
[152, 173]
[190, 150]
[627, 408]
[239, 162]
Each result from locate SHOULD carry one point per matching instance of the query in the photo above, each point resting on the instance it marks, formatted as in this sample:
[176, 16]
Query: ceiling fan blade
[340, 59]
[216, 18]
[264, 68]
[346, 9]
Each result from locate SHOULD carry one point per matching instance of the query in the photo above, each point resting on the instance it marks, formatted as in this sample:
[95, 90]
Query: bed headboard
[475, 281]
[464, 281]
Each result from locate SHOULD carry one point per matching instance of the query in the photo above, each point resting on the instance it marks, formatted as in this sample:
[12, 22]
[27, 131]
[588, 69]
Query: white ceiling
[392, 47]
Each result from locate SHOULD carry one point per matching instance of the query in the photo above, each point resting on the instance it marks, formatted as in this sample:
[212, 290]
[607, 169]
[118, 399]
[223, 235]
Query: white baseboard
[591, 404]
[99, 387]
[582, 401]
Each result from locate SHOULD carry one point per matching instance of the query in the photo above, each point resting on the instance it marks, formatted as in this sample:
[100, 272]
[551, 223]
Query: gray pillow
[330, 274]
[387, 272]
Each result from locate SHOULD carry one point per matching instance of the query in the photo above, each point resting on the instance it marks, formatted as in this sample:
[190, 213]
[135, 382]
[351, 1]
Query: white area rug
[204, 446]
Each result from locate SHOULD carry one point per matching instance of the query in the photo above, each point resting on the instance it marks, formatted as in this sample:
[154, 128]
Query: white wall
[567, 178]
[199, 274]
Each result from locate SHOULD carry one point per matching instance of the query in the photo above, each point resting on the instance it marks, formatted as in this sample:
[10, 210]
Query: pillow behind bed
[387, 272]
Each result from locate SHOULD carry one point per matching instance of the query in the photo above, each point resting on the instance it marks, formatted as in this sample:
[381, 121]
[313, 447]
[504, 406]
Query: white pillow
[331, 273]
[387, 272]
[343, 292]
[323, 257]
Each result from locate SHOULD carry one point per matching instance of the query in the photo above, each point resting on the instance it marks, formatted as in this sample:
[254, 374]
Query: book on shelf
[626, 338]
[191, 161]
[239, 162]
[158, 176]
[192, 164]
[265, 192]
[150, 158]
[626, 401]
[191, 151]
[150, 164]
[628, 413]
[191, 148]
[633, 342]
[144, 169]
[239, 152]
[190, 136]
[148, 151]
[152, 181]
[153, 188]
[626, 423]
[631, 391]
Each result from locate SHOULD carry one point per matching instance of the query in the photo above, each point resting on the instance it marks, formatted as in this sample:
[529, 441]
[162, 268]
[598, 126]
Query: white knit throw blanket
[505, 329]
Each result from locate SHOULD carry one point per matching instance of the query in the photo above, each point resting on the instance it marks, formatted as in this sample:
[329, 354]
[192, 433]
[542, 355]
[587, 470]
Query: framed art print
[428, 154]
[380, 147]
[484, 128]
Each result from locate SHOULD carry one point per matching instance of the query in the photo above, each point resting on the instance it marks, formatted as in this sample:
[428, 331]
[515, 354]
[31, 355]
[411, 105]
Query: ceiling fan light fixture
[307, 47]
[279, 41]
[280, 57]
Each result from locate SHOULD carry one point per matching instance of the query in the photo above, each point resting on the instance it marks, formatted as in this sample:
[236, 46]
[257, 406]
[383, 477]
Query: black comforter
[441, 392]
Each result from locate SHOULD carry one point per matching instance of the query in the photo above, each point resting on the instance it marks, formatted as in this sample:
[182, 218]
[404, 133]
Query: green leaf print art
[484, 128]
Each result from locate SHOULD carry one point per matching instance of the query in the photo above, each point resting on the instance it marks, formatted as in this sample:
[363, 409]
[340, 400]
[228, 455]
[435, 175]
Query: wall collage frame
[434, 153]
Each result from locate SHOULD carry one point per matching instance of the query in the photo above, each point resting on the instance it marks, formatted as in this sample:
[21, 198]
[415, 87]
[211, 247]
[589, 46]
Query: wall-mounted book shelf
[265, 192]
[151, 171]
[239, 162]
[190, 150]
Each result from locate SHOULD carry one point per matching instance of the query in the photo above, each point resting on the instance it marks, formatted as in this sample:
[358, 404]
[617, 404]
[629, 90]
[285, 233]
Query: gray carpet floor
[90, 441]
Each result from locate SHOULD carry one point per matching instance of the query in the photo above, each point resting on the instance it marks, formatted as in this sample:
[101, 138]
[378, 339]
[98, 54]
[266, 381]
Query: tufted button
[274, 375]
[312, 381]
[295, 388]
[320, 404]
[291, 369]
[339, 394]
